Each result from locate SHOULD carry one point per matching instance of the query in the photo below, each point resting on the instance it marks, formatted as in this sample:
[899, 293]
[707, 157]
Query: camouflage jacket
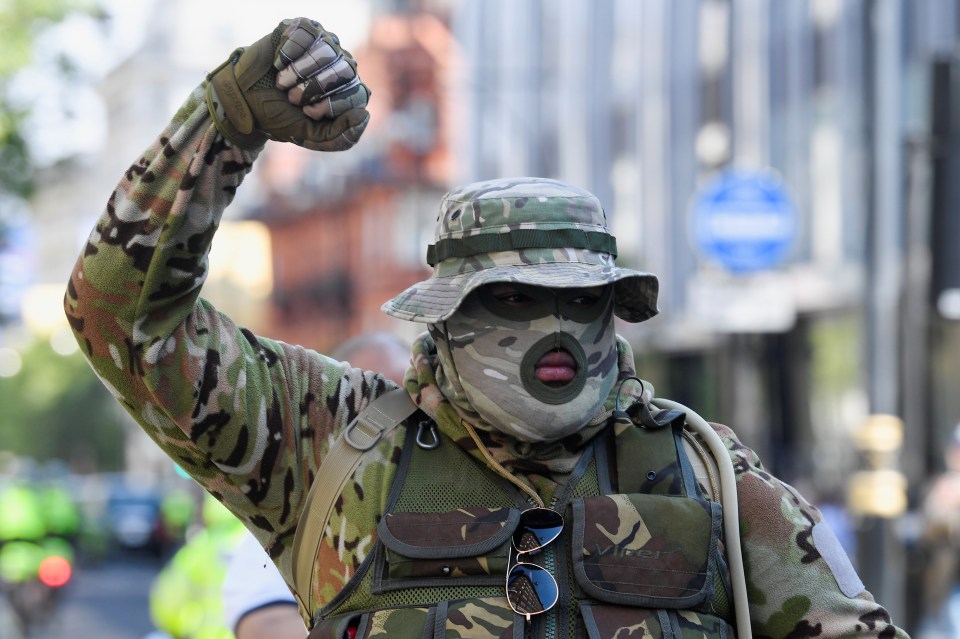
[250, 418]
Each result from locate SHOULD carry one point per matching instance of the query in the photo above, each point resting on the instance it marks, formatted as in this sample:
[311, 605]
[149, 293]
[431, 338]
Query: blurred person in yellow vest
[36, 552]
[61, 519]
[22, 531]
[257, 602]
[177, 509]
[185, 598]
[60, 511]
[21, 513]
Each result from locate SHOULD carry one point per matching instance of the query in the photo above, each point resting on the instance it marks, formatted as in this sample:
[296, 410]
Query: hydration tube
[731, 522]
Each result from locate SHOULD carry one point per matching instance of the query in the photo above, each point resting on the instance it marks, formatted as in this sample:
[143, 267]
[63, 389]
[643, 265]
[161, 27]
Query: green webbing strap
[337, 468]
[647, 460]
[521, 239]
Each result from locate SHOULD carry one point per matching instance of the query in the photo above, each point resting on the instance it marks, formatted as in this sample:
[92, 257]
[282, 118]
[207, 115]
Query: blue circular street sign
[745, 221]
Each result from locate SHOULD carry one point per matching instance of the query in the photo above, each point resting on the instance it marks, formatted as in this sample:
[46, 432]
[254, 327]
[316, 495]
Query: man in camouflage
[520, 378]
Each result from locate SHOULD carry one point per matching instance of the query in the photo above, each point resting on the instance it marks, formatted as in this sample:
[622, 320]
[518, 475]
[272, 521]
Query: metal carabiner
[427, 424]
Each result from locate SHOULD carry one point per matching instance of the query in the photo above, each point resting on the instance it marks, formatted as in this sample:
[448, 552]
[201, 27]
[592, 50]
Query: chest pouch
[466, 546]
[646, 550]
[654, 545]
[438, 563]
[448, 527]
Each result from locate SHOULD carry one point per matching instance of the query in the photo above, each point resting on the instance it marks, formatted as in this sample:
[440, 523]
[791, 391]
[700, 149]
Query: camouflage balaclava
[536, 373]
[551, 238]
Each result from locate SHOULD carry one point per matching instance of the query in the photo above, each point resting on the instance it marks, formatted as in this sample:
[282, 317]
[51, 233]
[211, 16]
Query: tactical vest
[642, 545]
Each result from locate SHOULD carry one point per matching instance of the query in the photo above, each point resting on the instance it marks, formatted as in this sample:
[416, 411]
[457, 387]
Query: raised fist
[296, 85]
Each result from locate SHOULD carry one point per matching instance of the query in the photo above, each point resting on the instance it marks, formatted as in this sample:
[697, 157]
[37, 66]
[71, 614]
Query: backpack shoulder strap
[380, 417]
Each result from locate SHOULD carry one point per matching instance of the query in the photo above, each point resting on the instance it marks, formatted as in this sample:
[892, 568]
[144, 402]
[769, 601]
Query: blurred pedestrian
[522, 482]
[177, 510]
[28, 553]
[60, 510]
[257, 602]
[941, 541]
[21, 512]
[185, 596]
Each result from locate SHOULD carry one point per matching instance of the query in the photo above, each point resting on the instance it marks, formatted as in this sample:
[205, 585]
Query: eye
[511, 296]
[587, 297]
[585, 301]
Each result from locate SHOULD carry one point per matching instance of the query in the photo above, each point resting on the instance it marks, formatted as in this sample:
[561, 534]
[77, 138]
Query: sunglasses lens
[537, 528]
[531, 589]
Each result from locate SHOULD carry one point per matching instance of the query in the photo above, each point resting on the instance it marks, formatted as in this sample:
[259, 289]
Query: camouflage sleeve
[800, 581]
[248, 418]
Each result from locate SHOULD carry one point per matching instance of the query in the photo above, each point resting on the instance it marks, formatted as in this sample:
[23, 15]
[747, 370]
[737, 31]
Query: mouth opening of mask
[554, 369]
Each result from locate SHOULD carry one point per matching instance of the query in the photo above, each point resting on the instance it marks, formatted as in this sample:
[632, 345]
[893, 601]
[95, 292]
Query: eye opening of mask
[536, 302]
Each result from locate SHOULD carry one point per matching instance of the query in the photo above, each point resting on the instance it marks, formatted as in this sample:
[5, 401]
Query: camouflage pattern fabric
[449, 544]
[487, 369]
[462, 620]
[543, 458]
[646, 549]
[622, 622]
[527, 230]
[250, 418]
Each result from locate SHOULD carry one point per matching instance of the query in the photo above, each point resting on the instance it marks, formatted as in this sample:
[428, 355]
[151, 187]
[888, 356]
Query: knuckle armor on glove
[296, 84]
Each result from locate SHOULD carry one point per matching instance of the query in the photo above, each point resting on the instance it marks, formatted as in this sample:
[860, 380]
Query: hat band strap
[521, 239]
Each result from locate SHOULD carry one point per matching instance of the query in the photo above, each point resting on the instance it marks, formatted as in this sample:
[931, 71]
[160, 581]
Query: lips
[556, 368]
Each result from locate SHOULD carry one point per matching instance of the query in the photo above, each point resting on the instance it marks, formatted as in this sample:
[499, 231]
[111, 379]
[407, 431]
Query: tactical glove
[296, 84]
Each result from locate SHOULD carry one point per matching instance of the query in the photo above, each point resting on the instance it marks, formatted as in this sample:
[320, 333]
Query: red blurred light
[54, 571]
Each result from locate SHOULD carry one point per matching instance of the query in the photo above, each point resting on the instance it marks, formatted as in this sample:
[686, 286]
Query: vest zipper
[550, 622]
[550, 563]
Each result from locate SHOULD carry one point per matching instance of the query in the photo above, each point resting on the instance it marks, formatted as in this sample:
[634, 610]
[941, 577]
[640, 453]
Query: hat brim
[435, 299]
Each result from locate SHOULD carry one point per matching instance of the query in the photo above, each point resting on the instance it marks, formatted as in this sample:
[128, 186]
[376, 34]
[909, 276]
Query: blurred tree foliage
[20, 21]
[56, 408]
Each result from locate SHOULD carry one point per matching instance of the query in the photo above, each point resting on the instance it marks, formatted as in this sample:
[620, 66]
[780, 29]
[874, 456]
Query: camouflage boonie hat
[533, 231]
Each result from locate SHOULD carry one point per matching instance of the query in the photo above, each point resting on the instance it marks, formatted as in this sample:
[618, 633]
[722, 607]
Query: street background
[788, 169]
